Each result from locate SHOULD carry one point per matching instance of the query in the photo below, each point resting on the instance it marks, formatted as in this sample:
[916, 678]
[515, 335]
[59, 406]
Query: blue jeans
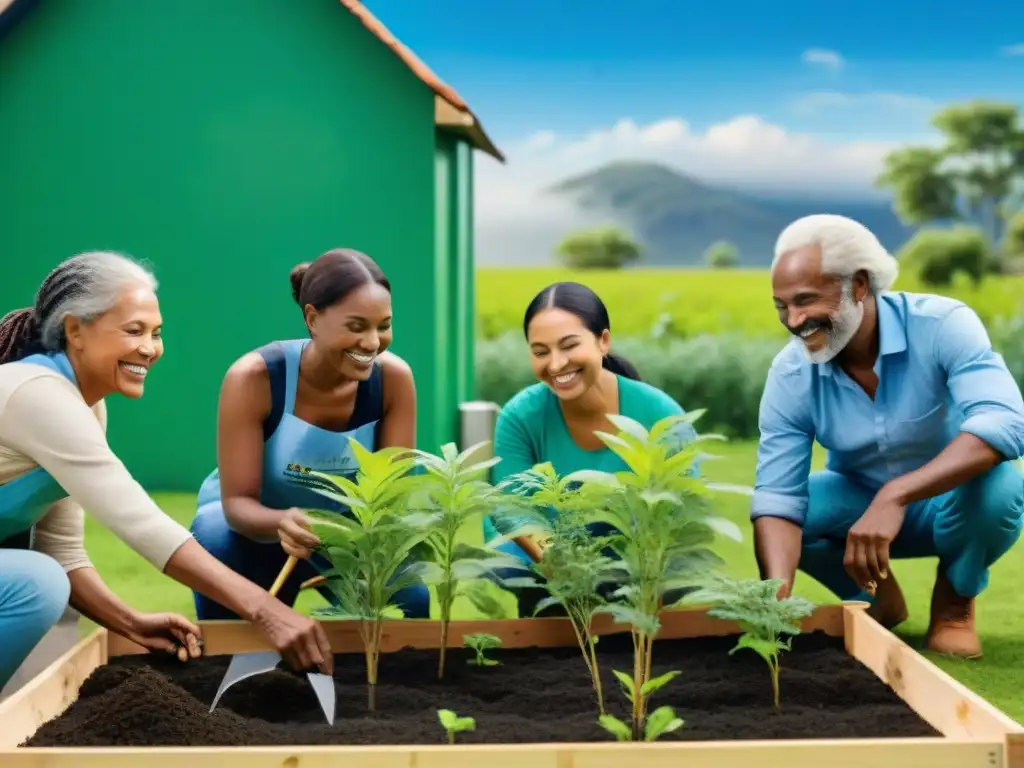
[34, 593]
[968, 528]
[261, 563]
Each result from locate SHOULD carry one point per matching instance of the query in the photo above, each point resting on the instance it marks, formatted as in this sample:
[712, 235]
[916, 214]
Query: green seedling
[661, 721]
[660, 508]
[379, 549]
[481, 643]
[453, 724]
[764, 618]
[574, 565]
[455, 492]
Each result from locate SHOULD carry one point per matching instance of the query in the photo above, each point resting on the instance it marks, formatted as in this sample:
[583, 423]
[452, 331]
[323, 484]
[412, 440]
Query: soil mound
[534, 695]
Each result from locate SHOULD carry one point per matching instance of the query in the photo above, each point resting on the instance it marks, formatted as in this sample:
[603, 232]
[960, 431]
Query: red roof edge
[420, 69]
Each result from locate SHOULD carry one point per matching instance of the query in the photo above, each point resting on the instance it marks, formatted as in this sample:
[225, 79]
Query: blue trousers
[261, 563]
[34, 592]
[968, 528]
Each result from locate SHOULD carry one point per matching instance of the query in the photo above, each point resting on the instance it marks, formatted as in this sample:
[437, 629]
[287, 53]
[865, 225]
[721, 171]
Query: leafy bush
[937, 255]
[725, 373]
[1013, 242]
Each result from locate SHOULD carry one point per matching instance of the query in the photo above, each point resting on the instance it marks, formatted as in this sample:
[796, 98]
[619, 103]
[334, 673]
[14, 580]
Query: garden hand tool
[244, 665]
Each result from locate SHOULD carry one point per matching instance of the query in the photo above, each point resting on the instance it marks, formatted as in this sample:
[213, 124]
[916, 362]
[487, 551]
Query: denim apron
[25, 500]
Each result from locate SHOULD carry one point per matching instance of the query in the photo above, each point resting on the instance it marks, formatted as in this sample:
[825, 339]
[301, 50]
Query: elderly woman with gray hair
[95, 331]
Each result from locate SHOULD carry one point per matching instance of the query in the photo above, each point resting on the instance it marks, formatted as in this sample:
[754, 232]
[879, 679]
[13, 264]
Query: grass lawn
[997, 677]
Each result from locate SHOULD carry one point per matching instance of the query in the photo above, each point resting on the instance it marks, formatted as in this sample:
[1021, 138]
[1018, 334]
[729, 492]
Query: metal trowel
[245, 665]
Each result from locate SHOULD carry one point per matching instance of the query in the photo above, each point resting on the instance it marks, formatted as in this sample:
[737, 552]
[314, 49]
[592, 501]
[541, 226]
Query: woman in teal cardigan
[579, 382]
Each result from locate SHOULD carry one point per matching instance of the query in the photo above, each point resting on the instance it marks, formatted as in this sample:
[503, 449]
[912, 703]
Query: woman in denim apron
[291, 407]
[95, 331]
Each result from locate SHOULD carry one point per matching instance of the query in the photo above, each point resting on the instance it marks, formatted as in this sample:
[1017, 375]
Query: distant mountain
[677, 217]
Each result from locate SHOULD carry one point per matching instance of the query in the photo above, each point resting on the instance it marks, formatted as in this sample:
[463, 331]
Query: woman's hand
[296, 537]
[168, 632]
[300, 640]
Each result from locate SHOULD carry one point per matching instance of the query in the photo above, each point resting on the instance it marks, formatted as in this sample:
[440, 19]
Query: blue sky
[801, 102]
[572, 65]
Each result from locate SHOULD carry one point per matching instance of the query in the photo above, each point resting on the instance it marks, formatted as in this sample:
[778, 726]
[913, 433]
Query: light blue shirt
[937, 375]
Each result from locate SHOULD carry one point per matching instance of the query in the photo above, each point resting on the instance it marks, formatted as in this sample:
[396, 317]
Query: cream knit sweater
[45, 422]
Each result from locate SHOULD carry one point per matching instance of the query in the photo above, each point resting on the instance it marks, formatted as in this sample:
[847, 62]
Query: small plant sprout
[453, 724]
[373, 553]
[660, 721]
[481, 643]
[659, 509]
[764, 618]
[456, 494]
[574, 565]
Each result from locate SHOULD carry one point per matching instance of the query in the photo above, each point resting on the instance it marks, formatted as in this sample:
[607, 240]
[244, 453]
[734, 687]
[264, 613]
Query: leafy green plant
[763, 616]
[454, 491]
[574, 565]
[659, 508]
[481, 643]
[376, 551]
[660, 721]
[453, 724]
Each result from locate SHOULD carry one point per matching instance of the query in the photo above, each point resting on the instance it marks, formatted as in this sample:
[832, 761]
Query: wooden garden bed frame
[977, 734]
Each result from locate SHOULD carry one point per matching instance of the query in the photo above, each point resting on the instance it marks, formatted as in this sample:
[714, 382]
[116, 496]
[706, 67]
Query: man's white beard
[845, 324]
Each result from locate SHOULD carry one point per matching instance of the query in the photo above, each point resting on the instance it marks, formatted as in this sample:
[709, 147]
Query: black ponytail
[588, 307]
[19, 335]
[620, 366]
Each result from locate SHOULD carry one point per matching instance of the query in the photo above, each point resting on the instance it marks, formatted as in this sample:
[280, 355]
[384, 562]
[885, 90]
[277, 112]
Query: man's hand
[296, 537]
[168, 632]
[867, 543]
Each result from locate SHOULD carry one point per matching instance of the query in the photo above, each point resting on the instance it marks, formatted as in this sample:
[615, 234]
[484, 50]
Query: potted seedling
[482, 642]
[378, 550]
[455, 493]
[769, 622]
[453, 724]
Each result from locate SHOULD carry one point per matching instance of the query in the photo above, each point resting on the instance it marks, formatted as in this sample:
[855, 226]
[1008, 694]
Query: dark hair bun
[298, 273]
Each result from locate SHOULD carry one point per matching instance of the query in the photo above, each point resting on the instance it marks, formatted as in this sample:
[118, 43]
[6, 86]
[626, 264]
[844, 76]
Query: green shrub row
[722, 373]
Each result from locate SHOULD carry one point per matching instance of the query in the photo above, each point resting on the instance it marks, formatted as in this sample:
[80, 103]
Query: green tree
[722, 255]
[936, 255]
[600, 248]
[970, 178]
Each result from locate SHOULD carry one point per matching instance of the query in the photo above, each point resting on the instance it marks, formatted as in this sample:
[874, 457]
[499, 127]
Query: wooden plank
[845, 753]
[51, 692]
[1014, 750]
[947, 705]
[227, 637]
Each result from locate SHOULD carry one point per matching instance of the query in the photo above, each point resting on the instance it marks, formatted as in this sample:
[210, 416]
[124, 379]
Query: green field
[698, 301]
[1000, 619]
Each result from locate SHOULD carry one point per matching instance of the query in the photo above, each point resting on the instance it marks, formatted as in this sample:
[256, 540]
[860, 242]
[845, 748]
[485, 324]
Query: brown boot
[889, 608]
[951, 631]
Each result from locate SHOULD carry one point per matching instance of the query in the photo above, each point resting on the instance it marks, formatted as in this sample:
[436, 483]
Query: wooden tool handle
[282, 577]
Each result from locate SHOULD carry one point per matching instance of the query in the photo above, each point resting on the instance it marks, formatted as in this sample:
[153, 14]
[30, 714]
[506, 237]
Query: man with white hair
[921, 420]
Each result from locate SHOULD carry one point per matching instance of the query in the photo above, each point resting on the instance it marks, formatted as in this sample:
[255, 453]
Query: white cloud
[515, 221]
[1014, 50]
[830, 101]
[823, 57]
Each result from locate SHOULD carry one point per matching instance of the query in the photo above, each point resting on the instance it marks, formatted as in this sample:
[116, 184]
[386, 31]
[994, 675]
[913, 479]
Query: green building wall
[223, 143]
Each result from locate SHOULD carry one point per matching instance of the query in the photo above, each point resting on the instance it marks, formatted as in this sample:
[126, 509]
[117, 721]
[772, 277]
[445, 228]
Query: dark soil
[535, 695]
